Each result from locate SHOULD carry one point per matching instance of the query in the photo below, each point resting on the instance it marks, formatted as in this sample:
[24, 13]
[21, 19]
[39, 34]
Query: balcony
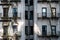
[56, 1]
[39, 16]
[50, 35]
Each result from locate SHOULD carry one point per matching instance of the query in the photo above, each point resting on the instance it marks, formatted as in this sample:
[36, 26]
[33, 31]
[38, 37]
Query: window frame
[52, 12]
[14, 12]
[44, 33]
[5, 12]
[43, 12]
[53, 29]
[14, 28]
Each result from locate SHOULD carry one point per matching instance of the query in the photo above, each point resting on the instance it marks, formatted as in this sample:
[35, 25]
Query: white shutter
[1, 11]
[10, 14]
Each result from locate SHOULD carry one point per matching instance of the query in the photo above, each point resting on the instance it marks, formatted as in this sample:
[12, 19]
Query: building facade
[29, 20]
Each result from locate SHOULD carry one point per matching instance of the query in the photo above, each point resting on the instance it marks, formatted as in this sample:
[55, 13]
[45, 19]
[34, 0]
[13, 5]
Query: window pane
[31, 2]
[26, 30]
[14, 28]
[5, 28]
[53, 12]
[31, 15]
[26, 14]
[26, 1]
[53, 30]
[31, 30]
[5, 10]
[44, 11]
[14, 12]
[44, 30]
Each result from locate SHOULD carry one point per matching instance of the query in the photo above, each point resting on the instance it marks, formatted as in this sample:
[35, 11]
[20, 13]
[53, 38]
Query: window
[26, 30]
[31, 15]
[44, 30]
[5, 28]
[31, 2]
[30, 30]
[44, 12]
[26, 1]
[5, 10]
[44, 0]
[53, 30]
[29, 39]
[26, 14]
[14, 28]
[14, 12]
[53, 12]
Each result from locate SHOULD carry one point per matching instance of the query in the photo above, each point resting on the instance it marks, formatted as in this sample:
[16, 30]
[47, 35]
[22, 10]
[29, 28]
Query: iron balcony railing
[48, 1]
[39, 15]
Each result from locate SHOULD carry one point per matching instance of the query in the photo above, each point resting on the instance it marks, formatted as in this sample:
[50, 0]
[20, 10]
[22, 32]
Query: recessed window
[14, 12]
[26, 1]
[31, 2]
[5, 11]
[30, 30]
[53, 30]
[31, 15]
[14, 28]
[44, 30]
[53, 12]
[44, 11]
[26, 15]
[5, 28]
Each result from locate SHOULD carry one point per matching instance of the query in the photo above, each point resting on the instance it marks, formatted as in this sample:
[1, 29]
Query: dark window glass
[5, 10]
[31, 2]
[31, 15]
[14, 28]
[53, 30]
[26, 14]
[15, 0]
[44, 30]
[26, 30]
[26, 1]
[5, 28]
[14, 12]
[53, 12]
[30, 30]
[44, 12]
